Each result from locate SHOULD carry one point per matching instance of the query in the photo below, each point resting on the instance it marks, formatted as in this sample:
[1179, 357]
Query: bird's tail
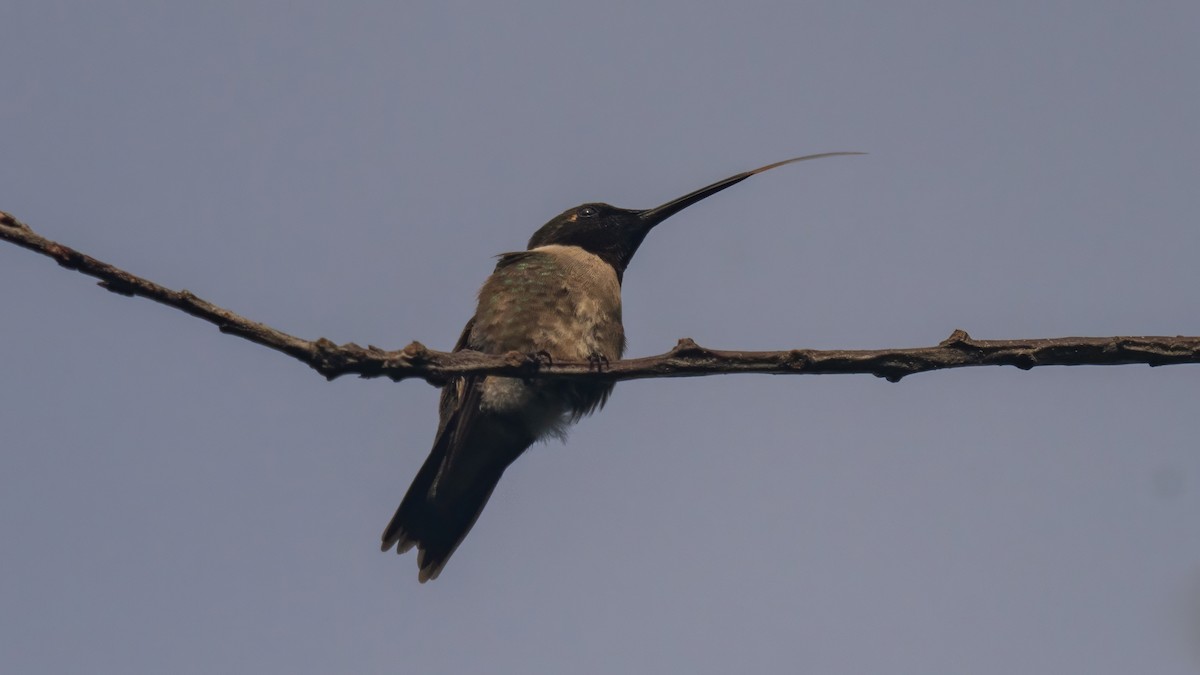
[436, 526]
[450, 491]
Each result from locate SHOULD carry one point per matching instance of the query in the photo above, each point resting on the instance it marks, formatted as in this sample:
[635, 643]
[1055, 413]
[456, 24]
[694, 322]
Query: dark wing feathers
[470, 453]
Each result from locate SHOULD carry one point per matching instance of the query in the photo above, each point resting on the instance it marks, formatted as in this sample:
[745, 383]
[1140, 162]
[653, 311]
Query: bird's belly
[561, 302]
[579, 333]
[545, 408]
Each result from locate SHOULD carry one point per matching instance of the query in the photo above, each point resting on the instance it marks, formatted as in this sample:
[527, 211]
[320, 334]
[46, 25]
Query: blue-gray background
[175, 500]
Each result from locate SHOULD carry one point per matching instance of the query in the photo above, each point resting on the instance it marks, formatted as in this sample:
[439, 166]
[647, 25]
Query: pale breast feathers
[558, 299]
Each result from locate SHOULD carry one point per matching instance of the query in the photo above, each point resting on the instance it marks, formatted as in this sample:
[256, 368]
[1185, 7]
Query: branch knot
[7, 220]
[959, 339]
[687, 347]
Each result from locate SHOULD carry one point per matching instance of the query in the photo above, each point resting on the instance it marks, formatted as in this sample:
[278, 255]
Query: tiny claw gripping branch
[597, 361]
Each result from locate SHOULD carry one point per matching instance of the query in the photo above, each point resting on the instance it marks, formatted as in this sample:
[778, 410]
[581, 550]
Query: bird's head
[614, 234]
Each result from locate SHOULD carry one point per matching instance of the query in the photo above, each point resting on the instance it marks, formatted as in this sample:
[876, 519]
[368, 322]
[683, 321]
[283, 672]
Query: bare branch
[686, 359]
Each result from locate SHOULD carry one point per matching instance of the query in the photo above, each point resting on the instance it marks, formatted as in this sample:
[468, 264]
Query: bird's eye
[587, 212]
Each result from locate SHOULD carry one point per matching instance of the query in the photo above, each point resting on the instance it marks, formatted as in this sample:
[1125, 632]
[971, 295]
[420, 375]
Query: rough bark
[685, 359]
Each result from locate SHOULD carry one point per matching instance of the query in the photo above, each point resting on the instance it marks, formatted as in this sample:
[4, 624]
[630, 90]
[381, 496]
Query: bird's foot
[598, 361]
[534, 362]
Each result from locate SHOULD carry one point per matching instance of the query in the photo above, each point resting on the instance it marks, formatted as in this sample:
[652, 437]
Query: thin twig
[686, 359]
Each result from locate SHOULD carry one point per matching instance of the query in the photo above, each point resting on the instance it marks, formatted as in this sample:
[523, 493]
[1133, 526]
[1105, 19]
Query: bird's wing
[470, 452]
[452, 404]
[459, 397]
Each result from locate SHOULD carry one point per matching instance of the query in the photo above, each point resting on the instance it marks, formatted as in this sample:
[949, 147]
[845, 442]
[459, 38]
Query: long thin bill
[656, 215]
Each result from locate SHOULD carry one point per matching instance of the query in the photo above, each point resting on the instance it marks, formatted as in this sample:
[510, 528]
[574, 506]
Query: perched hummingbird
[559, 299]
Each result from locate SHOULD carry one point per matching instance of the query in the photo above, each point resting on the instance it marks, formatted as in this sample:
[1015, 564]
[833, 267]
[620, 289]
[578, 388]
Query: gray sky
[175, 500]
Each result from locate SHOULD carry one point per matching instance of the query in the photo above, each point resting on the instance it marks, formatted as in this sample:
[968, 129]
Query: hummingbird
[560, 299]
